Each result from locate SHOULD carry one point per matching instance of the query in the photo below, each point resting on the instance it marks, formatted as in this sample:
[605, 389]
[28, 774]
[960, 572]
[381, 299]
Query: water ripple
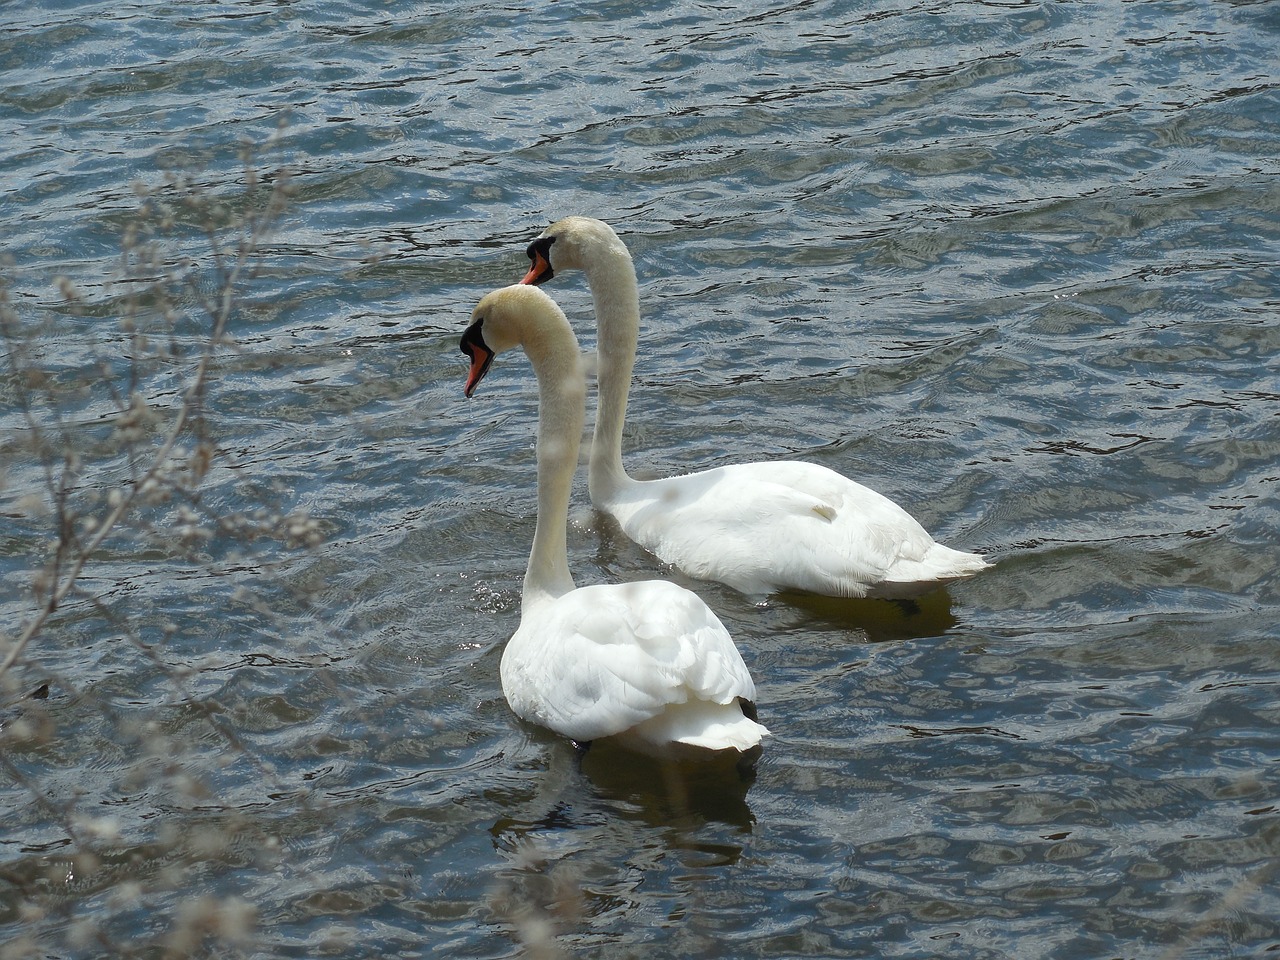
[1010, 264]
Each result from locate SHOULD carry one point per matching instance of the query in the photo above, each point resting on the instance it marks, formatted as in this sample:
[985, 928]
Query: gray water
[1013, 265]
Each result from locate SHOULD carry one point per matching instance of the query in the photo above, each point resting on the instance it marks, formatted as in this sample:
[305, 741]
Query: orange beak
[539, 253]
[539, 271]
[473, 346]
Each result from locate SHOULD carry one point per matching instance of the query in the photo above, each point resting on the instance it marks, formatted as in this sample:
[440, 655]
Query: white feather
[649, 662]
[759, 527]
[646, 660]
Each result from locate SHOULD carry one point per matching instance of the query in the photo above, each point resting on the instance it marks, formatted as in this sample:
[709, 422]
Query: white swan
[648, 663]
[761, 527]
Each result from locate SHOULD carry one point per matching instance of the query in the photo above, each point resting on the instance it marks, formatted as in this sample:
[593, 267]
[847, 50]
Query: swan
[762, 528]
[647, 663]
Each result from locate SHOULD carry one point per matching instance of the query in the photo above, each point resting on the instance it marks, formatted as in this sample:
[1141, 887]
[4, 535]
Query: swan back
[646, 662]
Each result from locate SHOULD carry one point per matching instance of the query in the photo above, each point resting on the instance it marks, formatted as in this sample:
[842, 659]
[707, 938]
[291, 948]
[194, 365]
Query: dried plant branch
[162, 289]
[71, 554]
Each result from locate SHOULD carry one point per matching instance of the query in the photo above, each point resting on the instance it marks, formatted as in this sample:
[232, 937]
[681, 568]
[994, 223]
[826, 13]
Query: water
[1012, 264]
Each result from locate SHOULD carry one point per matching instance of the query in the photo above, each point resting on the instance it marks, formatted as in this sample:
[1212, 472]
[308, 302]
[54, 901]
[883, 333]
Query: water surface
[1010, 264]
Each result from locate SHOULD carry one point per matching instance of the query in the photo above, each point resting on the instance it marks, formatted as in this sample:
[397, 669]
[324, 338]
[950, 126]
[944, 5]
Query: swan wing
[896, 556]
[603, 659]
[776, 525]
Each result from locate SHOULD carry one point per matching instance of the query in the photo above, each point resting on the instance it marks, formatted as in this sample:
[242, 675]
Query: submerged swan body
[647, 663]
[761, 528]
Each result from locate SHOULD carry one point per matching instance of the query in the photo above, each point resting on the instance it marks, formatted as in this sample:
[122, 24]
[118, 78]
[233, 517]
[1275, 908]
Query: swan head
[514, 316]
[567, 245]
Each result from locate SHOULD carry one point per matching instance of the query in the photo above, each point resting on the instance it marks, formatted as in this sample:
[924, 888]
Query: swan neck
[614, 294]
[561, 398]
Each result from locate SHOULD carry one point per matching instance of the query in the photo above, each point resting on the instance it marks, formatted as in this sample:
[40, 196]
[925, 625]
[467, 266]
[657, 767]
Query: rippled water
[1012, 264]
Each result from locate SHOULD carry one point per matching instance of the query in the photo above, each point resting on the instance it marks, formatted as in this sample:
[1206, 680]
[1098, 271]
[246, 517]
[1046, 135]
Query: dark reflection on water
[1012, 265]
[670, 795]
[879, 620]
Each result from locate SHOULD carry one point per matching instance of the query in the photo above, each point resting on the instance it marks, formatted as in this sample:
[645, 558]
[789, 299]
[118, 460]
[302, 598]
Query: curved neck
[612, 279]
[561, 398]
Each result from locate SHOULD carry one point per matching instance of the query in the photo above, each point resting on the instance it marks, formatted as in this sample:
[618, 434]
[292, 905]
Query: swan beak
[473, 346]
[540, 271]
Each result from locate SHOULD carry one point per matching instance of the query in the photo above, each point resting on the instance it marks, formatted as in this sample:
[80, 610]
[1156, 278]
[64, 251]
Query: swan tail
[699, 723]
[741, 736]
[940, 566]
[954, 564]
